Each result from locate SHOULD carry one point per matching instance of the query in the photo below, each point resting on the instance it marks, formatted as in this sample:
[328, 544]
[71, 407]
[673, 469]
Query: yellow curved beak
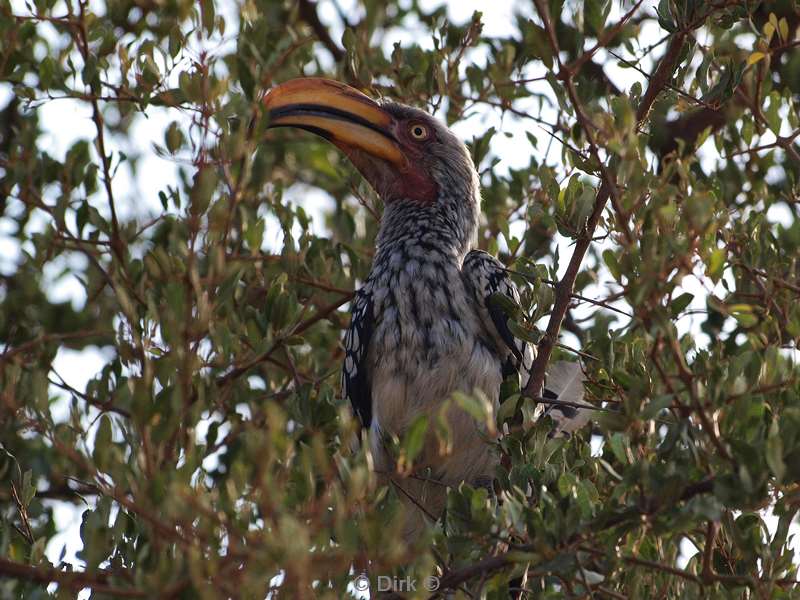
[337, 112]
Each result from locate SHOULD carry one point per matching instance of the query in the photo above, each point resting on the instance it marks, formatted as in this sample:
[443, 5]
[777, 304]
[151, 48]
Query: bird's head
[405, 154]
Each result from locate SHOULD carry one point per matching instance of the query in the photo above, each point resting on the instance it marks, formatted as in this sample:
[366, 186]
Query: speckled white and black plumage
[423, 327]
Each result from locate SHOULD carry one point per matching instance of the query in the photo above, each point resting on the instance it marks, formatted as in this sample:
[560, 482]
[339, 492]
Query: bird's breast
[423, 313]
[428, 340]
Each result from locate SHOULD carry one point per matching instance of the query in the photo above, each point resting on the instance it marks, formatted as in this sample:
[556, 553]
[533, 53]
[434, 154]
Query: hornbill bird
[423, 323]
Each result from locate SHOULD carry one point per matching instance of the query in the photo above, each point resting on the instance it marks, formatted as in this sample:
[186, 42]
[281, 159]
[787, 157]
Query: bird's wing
[355, 379]
[490, 284]
[487, 278]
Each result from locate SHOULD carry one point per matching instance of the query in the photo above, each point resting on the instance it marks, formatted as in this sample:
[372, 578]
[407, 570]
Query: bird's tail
[563, 393]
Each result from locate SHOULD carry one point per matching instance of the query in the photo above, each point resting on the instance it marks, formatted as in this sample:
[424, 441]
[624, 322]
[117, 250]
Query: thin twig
[9, 353]
[23, 515]
[97, 117]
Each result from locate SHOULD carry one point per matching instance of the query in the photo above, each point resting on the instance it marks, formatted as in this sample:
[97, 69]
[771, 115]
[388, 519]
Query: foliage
[209, 454]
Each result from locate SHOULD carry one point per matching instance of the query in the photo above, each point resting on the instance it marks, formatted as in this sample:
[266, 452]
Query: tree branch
[563, 291]
[72, 580]
[308, 12]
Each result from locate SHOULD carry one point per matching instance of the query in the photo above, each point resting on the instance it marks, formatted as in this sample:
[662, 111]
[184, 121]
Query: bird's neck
[448, 226]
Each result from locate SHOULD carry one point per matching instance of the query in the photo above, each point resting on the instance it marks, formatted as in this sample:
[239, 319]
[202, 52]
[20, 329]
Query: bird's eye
[419, 132]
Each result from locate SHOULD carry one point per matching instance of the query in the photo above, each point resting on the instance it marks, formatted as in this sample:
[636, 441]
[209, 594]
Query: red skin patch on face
[416, 183]
[410, 181]
[418, 186]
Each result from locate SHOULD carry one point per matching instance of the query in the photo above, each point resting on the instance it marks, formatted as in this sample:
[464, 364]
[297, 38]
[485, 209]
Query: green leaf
[774, 451]
[537, 43]
[414, 439]
[203, 189]
[665, 19]
[254, 235]
[477, 406]
[678, 304]
[566, 484]
[772, 113]
[349, 40]
[480, 146]
[170, 97]
[595, 14]
[561, 94]
[102, 441]
[524, 332]
[173, 139]
[506, 304]
[617, 443]
[585, 494]
[28, 491]
[716, 264]
[613, 265]
[744, 314]
[208, 13]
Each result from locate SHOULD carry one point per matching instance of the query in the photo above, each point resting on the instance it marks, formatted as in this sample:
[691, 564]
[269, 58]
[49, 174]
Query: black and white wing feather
[356, 385]
[487, 277]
